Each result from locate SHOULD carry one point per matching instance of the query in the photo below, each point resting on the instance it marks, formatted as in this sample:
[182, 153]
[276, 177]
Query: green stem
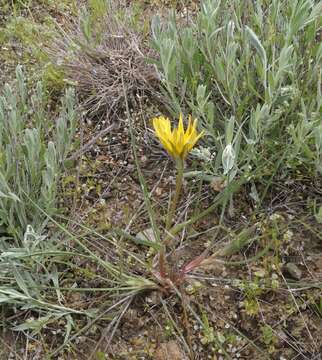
[170, 217]
[177, 193]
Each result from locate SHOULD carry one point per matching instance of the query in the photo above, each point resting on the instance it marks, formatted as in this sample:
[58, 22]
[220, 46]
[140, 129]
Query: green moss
[28, 28]
[53, 76]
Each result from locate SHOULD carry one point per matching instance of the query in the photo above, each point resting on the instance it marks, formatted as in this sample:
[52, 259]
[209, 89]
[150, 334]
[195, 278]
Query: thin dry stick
[78, 165]
[114, 323]
[301, 315]
[176, 327]
[10, 349]
[186, 322]
[87, 146]
[88, 326]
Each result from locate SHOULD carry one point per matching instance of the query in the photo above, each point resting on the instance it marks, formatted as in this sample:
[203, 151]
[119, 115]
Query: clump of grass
[94, 53]
[36, 285]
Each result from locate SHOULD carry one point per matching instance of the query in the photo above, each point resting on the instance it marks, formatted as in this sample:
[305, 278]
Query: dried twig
[95, 66]
[87, 146]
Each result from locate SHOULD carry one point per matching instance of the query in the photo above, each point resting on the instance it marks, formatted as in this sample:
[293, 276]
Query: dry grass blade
[109, 332]
[94, 63]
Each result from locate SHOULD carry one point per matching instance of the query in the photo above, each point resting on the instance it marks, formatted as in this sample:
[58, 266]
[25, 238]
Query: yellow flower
[177, 142]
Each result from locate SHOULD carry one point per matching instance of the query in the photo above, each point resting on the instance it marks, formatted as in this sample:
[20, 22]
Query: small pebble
[293, 270]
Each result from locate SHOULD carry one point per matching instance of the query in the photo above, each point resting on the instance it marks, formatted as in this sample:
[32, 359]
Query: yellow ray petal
[178, 142]
[180, 125]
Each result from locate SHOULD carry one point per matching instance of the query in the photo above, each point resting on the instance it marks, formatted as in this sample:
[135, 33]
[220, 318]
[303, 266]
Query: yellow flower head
[177, 142]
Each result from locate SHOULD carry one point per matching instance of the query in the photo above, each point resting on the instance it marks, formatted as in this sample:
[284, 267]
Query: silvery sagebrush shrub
[33, 147]
[251, 72]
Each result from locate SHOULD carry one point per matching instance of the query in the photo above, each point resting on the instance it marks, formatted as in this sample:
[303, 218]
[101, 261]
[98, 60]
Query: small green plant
[254, 81]
[208, 335]
[33, 147]
[269, 338]
[169, 329]
[92, 20]
[251, 290]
